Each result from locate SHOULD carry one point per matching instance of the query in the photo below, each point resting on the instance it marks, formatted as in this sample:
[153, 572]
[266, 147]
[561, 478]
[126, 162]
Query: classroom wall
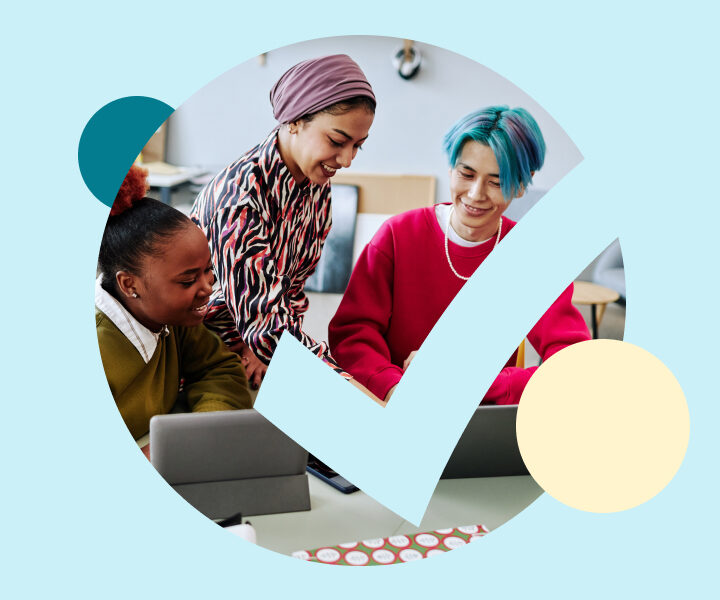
[232, 113]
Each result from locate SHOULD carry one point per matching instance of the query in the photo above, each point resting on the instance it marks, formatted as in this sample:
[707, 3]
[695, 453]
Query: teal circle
[112, 140]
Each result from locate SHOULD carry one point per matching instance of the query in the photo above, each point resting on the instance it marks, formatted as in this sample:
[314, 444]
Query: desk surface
[586, 292]
[181, 175]
[336, 518]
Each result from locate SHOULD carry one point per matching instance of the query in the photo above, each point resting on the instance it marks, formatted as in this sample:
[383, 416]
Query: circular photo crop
[329, 200]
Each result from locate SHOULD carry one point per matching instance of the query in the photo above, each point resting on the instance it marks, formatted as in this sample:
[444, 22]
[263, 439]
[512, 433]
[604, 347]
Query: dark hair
[133, 234]
[344, 106]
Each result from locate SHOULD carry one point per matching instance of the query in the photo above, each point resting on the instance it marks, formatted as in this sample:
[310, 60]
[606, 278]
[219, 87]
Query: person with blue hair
[418, 261]
[513, 136]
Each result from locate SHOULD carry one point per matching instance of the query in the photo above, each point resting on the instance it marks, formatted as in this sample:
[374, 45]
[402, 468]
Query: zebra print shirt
[266, 233]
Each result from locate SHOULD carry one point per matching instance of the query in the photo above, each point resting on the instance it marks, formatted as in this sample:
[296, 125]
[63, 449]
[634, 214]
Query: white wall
[232, 113]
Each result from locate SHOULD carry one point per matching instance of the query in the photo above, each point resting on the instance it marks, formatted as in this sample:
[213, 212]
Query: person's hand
[146, 451]
[255, 369]
[390, 392]
[408, 360]
[366, 391]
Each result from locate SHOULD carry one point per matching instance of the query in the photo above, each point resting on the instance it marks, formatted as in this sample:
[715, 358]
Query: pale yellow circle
[603, 426]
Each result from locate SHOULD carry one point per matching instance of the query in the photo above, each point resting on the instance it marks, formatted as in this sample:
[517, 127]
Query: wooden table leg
[600, 312]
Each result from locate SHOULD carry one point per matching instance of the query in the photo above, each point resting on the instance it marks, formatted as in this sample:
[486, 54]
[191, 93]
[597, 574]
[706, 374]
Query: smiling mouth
[200, 309]
[328, 170]
[474, 211]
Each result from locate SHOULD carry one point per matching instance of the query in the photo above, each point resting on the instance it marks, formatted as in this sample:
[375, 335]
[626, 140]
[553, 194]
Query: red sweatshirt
[400, 287]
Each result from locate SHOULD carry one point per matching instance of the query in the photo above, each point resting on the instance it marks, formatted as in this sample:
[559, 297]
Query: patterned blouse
[266, 233]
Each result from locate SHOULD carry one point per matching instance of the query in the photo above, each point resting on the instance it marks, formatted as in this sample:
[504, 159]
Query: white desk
[166, 182]
[336, 518]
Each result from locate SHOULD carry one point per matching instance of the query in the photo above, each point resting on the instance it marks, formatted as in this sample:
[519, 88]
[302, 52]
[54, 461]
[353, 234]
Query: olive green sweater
[213, 377]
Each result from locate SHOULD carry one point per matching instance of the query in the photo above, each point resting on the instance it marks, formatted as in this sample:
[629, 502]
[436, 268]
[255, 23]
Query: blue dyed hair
[512, 135]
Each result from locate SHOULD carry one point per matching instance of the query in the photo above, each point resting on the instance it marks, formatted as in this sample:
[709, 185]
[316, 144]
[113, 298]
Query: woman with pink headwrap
[267, 214]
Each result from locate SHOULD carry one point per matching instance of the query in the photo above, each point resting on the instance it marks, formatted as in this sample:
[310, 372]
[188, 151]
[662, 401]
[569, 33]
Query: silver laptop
[488, 446]
[230, 462]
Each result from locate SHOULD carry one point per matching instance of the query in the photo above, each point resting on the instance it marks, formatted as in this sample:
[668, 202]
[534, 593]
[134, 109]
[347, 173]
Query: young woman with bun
[267, 214]
[151, 297]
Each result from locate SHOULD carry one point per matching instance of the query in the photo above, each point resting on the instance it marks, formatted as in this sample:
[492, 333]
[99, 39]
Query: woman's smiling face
[175, 283]
[476, 193]
[326, 143]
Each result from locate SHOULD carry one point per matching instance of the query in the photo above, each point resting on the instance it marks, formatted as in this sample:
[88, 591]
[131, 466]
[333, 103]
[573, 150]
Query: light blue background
[84, 515]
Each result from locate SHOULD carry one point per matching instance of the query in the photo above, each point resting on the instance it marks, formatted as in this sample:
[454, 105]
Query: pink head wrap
[315, 84]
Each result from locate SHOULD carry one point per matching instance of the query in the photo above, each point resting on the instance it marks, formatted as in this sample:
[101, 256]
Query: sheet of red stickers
[395, 549]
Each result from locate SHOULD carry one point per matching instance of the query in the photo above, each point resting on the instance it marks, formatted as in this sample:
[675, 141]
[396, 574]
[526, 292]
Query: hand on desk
[406, 364]
[408, 360]
[254, 367]
[367, 392]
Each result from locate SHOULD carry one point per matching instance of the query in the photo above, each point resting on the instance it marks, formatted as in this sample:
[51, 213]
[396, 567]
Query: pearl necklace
[447, 251]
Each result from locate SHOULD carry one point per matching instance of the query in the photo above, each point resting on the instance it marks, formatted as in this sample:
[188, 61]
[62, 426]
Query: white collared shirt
[144, 340]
